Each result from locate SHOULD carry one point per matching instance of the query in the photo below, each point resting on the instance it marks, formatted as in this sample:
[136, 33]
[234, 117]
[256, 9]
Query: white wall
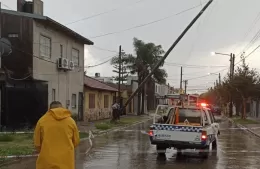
[162, 90]
[104, 79]
[65, 83]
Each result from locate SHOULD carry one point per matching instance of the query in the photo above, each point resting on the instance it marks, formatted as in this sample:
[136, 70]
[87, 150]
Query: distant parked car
[216, 110]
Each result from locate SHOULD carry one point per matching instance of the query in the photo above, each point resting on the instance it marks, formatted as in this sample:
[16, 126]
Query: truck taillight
[150, 133]
[204, 135]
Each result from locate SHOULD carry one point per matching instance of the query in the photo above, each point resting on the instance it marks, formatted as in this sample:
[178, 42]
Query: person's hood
[60, 113]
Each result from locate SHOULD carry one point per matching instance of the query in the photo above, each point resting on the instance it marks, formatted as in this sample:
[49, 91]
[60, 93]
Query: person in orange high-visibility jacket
[177, 116]
[55, 137]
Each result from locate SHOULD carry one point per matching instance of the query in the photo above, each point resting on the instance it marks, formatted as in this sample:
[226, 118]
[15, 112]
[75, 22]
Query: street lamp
[232, 67]
[218, 53]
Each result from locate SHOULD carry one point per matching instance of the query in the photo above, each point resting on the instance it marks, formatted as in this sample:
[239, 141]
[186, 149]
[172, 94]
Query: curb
[244, 128]
[90, 138]
[121, 128]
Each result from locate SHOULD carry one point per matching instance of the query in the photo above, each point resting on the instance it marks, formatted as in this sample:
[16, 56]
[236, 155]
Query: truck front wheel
[179, 153]
[214, 145]
[161, 149]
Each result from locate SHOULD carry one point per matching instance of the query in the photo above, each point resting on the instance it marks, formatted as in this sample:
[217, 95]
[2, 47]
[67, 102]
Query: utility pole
[233, 62]
[169, 51]
[119, 75]
[232, 67]
[181, 81]
[219, 79]
[185, 86]
[0, 69]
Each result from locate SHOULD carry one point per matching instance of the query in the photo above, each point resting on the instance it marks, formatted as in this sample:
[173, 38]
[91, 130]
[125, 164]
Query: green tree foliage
[244, 85]
[145, 57]
[124, 70]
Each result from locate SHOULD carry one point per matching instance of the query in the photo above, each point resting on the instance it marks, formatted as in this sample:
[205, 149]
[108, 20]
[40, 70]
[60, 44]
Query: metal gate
[23, 104]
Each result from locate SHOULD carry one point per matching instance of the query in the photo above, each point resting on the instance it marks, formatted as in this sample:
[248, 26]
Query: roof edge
[99, 82]
[46, 18]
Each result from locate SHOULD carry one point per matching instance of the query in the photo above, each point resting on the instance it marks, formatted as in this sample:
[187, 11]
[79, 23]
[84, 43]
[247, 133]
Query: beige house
[98, 99]
[57, 53]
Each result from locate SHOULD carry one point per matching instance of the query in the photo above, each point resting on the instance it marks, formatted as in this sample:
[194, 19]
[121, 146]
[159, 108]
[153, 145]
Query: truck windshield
[192, 115]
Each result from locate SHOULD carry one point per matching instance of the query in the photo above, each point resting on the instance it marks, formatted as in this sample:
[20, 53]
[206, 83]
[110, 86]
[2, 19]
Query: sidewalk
[251, 124]
[124, 121]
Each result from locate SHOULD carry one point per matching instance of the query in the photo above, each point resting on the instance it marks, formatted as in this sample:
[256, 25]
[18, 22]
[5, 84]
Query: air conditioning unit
[71, 65]
[63, 63]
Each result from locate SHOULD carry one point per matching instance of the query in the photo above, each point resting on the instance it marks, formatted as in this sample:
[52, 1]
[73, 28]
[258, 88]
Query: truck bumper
[179, 144]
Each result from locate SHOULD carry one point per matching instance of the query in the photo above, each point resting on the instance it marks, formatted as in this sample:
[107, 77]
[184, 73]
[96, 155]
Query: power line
[5, 5]
[192, 66]
[250, 29]
[227, 68]
[145, 24]
[53, 62]
[102, 13]
[113, 51]
[100, 63]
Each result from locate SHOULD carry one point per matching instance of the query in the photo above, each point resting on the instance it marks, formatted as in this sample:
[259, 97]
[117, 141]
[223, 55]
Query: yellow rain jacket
[55, 137]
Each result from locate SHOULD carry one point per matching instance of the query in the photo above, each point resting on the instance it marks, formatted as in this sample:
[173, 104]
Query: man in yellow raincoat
[55, 137]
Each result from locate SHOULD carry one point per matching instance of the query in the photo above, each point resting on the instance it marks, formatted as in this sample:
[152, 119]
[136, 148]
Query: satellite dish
[5, 46]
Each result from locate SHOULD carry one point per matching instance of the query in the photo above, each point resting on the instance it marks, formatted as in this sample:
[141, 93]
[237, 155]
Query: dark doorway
[80, 108]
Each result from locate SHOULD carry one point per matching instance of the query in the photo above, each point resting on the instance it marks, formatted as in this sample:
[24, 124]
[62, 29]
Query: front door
[80, 109]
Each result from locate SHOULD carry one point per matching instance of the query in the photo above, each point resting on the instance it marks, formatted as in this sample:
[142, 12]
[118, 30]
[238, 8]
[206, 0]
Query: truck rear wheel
[205, 152]
[214, 145]
[161, 149]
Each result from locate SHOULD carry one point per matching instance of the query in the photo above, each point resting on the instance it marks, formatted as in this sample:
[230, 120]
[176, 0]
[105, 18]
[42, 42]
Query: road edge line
[243, 127]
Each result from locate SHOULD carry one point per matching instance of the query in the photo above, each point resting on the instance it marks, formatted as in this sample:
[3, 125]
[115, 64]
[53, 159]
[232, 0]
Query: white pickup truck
[184, 128]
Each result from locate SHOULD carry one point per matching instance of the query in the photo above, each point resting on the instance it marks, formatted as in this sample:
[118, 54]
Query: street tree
[244, 84]
[124, 71]
[145, 57]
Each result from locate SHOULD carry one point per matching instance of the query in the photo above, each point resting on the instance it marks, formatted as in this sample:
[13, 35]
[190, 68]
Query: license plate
[163, 136]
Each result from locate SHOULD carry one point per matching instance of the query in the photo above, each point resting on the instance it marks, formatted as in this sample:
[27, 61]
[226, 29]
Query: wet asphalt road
[131, 149]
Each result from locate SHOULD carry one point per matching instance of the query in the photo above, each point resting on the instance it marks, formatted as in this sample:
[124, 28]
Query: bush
[103, 126]
[6, 138]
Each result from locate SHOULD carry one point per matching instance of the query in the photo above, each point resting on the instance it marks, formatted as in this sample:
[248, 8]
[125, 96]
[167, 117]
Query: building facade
[98, 99]
[161, 90]
[47, 61]
[103, 79]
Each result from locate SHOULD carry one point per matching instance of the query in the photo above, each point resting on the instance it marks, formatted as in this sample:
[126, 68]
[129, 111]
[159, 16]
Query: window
[74, 101]
[61, 51]
[53, 94]
[106, 101]
[45, 47]
[75, 56]
[92, 104]
[192, 115]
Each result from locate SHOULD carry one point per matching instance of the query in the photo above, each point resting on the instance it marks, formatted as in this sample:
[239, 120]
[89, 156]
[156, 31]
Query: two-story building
[161, 90]
[46, 64]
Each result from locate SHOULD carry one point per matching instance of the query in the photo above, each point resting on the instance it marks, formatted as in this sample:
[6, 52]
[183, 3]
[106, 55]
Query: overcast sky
[227, 26]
